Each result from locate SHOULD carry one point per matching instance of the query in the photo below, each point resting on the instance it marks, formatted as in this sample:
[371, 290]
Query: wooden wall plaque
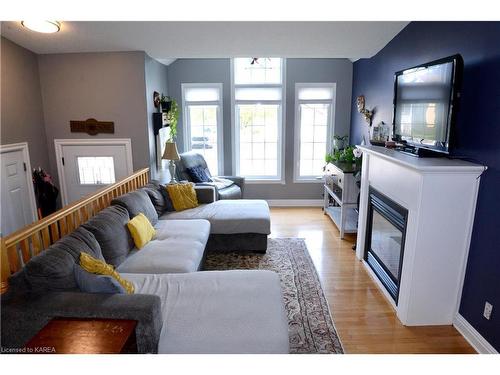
[92, 127]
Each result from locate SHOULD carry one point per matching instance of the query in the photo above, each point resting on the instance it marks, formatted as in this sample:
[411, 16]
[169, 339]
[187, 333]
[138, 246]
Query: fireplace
[385, 240]
[434, 227]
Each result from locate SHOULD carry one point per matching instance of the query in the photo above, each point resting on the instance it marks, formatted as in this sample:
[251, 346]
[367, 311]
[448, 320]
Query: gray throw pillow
[169, 206]
[137, 202]
[157, 198]
[90, 283]
[52, 269]
[110, 229]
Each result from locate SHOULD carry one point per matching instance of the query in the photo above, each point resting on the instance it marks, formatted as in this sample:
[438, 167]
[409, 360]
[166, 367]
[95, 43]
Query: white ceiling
[166, 41]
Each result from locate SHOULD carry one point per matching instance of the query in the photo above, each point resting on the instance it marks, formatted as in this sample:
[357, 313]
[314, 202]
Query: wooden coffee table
[84, 336]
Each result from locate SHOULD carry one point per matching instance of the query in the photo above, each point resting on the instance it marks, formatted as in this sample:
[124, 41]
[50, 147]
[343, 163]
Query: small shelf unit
[340, 198]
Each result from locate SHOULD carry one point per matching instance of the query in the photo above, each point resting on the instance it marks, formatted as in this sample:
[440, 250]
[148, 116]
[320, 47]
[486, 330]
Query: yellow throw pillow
[98, 267]
[183, 196]
[141, 230]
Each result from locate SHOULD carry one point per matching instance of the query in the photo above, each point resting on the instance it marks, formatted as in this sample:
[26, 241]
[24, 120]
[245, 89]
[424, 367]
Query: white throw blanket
[221, 183]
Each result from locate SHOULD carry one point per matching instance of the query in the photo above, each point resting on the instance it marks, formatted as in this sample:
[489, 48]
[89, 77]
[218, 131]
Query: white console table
[440, 195]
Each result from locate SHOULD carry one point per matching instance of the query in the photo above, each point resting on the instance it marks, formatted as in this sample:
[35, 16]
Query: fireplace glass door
[385, 237]
[386, 243]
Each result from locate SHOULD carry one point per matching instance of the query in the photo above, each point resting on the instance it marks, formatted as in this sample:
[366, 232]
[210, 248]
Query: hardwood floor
[365, 320]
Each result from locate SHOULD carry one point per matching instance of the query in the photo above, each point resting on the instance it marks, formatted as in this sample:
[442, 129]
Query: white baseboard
[474, 338]
[295, 202]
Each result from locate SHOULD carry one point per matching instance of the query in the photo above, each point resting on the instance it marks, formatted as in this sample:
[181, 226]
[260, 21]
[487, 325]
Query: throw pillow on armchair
[199, 174]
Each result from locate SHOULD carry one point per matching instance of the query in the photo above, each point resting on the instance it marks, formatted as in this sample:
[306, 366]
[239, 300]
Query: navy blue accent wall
[477, 129]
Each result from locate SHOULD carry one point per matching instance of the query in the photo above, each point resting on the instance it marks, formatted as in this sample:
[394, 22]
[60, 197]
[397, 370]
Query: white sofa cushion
[239, 311]
[229, 216]
[178, 247]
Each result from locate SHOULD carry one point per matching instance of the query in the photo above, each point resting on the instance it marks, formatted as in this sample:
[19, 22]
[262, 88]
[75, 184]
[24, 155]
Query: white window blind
[201, 94]
[313, 128]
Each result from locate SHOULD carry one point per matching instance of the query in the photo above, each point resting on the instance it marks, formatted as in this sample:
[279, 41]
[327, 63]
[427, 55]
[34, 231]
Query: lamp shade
[171, 152]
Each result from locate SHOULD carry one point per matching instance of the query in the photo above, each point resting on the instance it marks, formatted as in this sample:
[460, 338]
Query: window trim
[235, 138]
[220, 120]
[330, 127]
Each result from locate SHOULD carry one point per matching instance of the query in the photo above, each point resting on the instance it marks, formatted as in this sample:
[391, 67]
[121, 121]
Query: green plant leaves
[346, 156]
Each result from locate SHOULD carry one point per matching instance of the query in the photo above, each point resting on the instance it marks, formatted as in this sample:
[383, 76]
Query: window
[258, 98]
[202, 104]
[98, 170]
[314, 105]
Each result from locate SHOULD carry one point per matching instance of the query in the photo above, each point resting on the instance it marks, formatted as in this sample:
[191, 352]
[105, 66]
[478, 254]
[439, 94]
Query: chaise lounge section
[236, 225]
[212, 312]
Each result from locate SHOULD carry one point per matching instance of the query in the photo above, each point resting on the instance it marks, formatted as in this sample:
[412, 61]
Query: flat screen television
[425, 105]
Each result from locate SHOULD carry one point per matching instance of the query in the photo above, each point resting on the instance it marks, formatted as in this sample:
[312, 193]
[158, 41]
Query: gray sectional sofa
[178, 309]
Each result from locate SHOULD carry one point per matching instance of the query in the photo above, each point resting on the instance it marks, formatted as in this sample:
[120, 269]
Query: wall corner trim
[295, 202]
[478, 342]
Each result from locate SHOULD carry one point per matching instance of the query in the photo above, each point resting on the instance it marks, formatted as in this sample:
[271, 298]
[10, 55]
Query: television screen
[423, 104]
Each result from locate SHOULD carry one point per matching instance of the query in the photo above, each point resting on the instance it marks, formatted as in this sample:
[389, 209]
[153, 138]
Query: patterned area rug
[310, 325]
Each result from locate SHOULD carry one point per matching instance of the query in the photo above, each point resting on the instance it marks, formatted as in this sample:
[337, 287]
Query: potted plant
[171, 108]
[166, 103]
[173, 118]
[349, 155]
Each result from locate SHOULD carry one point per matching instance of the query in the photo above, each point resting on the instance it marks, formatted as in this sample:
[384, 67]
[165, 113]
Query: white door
[86, 168]
[17, 210]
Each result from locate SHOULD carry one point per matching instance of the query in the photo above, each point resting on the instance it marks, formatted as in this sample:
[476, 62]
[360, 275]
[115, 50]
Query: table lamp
[171, 154]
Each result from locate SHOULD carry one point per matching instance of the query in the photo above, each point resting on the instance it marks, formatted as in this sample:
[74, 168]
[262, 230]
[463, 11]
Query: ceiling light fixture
[46, 27]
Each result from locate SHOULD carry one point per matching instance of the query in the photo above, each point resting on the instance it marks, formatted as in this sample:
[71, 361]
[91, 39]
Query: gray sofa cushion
[229, 216]
[110, 229]
[169, 206]
[219, 312]
[156, 197]
[137, 202]
[178, 247]
[231, 192]
[159, 197]
[205, 194]
[53, 269]
[90, 283]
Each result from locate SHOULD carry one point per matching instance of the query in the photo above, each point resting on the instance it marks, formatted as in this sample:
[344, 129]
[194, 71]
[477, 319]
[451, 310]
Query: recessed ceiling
[166, 41]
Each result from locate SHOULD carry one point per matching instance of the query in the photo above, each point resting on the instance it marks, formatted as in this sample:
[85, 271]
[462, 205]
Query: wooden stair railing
[19, 247]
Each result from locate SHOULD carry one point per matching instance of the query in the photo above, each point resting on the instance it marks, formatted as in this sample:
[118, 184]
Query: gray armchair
[193, 159]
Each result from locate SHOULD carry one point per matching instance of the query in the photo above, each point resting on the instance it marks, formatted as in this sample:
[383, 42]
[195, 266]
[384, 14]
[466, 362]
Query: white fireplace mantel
[440, 195]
